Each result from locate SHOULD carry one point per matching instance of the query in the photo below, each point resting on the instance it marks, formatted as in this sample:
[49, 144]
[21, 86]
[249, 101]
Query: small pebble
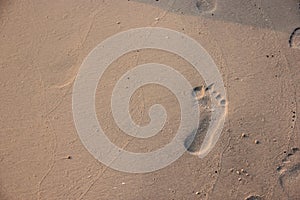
[247, 174]
[231, 170]
[238, 172]
[69, 157]
[197, 193]
[256, 142]
[118, 22]
[240, 179]
[242, 170]
[244, 135]
[157, 19]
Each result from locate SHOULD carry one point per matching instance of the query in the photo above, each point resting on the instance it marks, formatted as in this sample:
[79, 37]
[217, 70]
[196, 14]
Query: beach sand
[255, 45]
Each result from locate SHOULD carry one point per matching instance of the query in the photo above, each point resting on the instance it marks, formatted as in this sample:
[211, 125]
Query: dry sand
[43, 44]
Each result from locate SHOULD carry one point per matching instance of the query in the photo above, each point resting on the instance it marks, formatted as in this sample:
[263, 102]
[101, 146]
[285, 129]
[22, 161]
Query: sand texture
[256, 47]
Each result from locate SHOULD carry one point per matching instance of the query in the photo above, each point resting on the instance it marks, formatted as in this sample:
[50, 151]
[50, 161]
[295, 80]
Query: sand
[255, 45]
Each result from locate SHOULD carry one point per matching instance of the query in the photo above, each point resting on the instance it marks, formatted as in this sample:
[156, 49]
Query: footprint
[289, 178]
[292, 152]
[206, 5]
[190, 7]
[290, 181]
[294, 40]
[201, 94]
[193, 145]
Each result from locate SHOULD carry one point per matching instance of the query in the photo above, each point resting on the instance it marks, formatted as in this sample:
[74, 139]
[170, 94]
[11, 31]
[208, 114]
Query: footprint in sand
[190, 7]
[206, 5]
[201, 95]
[289, 178]
[204, 102]
[294, 40]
